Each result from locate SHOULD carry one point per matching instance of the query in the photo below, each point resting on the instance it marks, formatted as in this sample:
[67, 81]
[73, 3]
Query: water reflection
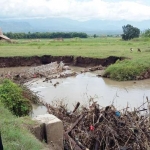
[38, 110]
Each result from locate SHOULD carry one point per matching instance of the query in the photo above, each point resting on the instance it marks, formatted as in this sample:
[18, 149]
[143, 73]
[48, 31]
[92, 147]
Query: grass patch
[101, 46]
[128, 69]
[15, 136]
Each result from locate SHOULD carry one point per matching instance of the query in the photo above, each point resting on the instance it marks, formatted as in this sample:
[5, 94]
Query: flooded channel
[85, 86]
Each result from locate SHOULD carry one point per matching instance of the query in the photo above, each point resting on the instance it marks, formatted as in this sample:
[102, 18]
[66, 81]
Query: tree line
[129, 32]
[45, 35]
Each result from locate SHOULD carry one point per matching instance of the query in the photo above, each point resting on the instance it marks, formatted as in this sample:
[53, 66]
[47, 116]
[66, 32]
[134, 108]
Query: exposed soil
[39, 60]
[19, 61]
[145, 75]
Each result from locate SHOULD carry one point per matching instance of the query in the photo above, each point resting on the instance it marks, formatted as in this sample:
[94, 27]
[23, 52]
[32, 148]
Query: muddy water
[10, 70]
[84, 86]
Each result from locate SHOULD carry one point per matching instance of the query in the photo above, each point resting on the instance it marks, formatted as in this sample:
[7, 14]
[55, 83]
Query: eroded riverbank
[40, 60]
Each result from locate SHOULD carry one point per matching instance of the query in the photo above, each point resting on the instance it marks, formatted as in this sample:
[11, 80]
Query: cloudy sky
[76, 9]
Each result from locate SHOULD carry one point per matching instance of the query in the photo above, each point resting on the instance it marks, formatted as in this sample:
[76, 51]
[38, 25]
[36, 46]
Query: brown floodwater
[10, 70]
[85, 86]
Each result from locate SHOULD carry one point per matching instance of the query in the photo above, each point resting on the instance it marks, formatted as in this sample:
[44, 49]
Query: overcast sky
[76, 9]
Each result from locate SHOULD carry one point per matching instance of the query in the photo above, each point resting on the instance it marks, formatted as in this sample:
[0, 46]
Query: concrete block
[53, 128]
[38, 131]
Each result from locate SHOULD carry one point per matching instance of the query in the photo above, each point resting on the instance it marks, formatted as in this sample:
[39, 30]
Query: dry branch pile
[96, 128]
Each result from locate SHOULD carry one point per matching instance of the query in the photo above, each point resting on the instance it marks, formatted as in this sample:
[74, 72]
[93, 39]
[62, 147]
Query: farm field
[90, 47]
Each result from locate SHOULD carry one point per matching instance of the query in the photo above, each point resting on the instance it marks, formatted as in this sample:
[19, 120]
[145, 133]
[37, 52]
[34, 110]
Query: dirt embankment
[39, 60]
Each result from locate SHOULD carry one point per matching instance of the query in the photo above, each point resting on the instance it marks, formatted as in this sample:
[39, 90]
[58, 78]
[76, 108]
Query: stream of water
[80, 88]
[85, 86]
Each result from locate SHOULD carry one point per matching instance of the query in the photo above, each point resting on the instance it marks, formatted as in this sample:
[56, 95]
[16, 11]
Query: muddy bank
[145, 75]
[39, 60]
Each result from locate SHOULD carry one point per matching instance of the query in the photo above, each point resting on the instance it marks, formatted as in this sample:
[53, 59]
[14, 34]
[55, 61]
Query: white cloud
[75, 9]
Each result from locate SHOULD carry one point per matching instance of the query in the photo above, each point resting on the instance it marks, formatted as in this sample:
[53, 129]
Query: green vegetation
[15, 135]
[146, 34]
[90, 47]
[128, 69]
[11, 95]
[46, 35]
[15, 130]
[130, 32]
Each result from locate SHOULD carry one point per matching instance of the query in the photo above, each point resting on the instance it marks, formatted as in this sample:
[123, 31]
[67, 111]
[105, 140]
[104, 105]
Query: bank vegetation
[14, 119]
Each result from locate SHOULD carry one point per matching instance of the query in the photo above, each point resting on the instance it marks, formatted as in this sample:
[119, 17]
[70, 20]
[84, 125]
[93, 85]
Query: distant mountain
[13, 26]
[68, 25]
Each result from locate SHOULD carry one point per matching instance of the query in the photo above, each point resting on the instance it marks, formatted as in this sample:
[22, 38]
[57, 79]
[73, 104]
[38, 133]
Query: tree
[146, 33]
[130, 32]
[94, 35]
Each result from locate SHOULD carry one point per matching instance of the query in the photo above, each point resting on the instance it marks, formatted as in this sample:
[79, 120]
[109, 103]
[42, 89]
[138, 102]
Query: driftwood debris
[98, 128]
[93, 69]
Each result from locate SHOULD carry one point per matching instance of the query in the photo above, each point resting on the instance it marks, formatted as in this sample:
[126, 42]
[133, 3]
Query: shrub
[12, 98]
[146, 33]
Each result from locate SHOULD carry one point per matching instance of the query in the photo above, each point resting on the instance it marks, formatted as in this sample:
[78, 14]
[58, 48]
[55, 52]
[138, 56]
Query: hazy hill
[13, 26]
[68, 25]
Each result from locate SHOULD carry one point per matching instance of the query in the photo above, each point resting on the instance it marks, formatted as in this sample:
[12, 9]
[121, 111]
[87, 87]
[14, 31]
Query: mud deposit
[37, 60]
[85, 86]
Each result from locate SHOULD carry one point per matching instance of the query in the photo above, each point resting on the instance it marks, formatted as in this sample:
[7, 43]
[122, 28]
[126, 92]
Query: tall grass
[128, 69]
